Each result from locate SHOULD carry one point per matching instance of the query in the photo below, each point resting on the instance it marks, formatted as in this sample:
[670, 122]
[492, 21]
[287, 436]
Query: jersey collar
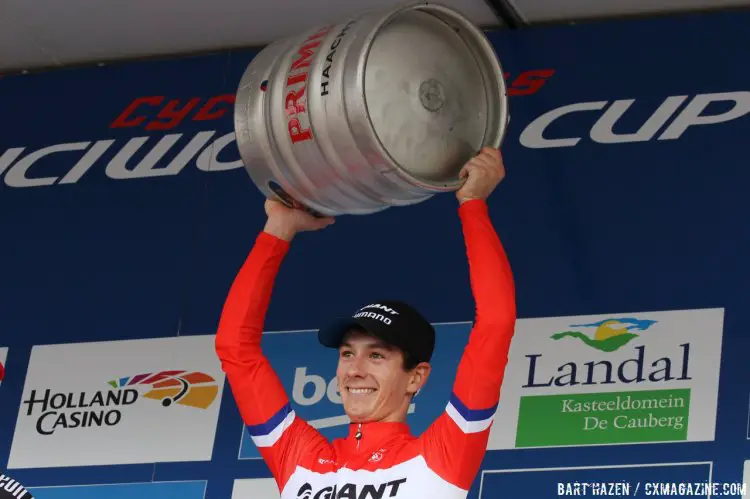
[374, 434]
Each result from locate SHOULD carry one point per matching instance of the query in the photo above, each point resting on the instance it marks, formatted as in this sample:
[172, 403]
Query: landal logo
[610, 334]
[625, 378]
[105, 407]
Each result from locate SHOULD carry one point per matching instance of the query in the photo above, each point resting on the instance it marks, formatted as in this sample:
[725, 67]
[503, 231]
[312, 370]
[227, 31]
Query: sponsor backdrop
[125, 214]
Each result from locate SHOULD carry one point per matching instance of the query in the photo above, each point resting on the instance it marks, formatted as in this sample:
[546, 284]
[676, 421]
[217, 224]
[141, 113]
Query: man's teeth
[361, 391]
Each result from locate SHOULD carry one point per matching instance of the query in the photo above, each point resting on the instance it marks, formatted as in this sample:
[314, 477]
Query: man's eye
[377, 356]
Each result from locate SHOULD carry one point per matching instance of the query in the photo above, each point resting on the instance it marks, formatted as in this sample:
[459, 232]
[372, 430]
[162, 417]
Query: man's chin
[359, 416]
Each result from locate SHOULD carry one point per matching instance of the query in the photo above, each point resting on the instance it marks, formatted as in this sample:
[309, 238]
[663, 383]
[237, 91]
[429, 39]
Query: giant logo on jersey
[644, 377]
[77, 391]
[352, 490]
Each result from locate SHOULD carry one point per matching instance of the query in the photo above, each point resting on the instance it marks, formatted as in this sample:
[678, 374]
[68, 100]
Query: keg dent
[380, 110]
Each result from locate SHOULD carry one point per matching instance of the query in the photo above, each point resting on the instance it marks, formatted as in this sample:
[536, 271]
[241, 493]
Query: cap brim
[333, 333]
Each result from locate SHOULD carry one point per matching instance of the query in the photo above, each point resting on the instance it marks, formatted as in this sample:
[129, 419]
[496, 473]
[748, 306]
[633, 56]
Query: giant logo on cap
[363, 313]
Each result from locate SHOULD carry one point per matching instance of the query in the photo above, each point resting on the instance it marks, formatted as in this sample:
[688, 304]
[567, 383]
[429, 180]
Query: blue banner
[651, 480]
[125, 213]
[153, 490]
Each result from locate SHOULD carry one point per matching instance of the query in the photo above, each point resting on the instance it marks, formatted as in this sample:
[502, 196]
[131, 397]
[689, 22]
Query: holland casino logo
[611, 335]
[104, 408]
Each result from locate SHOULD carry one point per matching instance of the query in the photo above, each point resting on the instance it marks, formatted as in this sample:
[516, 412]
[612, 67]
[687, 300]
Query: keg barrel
[380, 110]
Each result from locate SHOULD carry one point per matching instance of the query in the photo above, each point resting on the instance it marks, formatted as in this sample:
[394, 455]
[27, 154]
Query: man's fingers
[464, 173]
[487, 162]
[490, 153]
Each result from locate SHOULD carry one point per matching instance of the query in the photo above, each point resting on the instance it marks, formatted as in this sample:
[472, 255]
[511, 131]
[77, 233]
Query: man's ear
[419, 376]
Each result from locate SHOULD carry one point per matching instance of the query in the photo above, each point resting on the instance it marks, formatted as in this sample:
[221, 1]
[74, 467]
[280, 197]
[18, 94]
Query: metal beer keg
[381, 110]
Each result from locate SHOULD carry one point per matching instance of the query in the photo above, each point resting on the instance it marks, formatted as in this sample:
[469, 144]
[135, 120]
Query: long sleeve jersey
[387, 461]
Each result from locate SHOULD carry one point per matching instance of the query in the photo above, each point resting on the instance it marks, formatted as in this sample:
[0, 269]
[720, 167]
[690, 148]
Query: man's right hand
[284, 222]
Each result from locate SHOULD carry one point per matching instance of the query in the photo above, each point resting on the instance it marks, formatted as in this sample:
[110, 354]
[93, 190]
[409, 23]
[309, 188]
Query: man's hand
[482, 174]
[284, 222]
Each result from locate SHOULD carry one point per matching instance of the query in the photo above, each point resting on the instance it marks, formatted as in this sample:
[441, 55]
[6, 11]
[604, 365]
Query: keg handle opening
[289, 201]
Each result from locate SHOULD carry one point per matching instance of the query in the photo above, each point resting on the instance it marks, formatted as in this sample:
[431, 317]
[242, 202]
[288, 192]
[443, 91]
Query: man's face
[372, 381]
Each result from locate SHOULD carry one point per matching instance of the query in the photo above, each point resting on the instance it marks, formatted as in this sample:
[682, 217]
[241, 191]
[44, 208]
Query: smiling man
[385, 350]
[384, 353]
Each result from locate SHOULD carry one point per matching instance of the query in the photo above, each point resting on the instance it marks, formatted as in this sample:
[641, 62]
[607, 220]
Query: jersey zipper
[358, 437]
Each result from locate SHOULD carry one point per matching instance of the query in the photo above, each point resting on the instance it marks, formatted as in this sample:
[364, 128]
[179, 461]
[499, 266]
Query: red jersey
[386, 461]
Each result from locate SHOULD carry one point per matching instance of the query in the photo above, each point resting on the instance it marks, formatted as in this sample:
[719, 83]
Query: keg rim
[485, 57]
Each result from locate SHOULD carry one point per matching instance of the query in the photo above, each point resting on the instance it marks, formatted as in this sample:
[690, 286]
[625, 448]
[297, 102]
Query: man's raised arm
[279, 434]
[260, 396]
[457, 442]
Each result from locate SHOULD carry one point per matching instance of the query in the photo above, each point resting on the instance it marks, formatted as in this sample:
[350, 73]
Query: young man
[384, 354]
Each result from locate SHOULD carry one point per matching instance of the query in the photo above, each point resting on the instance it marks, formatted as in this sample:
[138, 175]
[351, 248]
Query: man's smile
[361, 391]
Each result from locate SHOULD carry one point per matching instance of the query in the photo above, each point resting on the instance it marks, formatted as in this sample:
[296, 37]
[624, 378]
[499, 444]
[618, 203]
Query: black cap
[394, 322]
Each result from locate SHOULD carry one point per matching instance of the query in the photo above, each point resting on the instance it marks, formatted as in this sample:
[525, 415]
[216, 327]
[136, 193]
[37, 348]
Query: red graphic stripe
[160, 376]
[135, 379]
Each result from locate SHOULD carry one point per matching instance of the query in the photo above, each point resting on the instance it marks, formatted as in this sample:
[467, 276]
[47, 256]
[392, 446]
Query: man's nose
[354, 369]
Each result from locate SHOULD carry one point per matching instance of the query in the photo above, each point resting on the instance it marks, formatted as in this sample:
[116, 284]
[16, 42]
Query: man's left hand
[482, 174]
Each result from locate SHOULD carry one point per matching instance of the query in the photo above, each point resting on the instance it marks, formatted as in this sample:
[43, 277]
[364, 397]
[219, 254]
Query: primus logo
[104, 408]
[352, 491]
